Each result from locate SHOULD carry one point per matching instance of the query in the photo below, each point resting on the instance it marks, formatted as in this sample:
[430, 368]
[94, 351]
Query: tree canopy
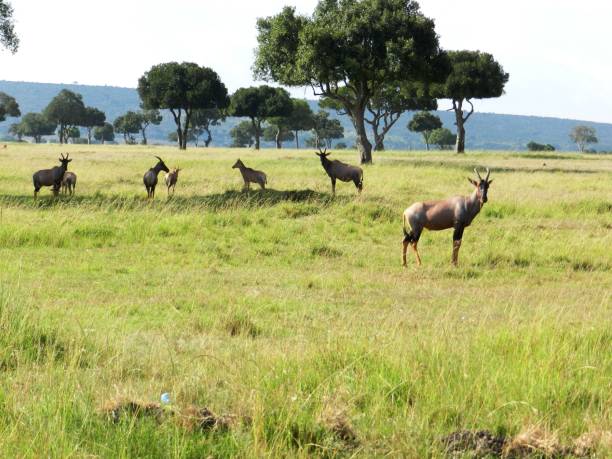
[8, 106]
[128, 125]
[425, 123]
[104, 133]
[92, 117]
[243, 135]
[148, 117]
[8, 37]
[583, 136]
[474, 75]
[443, 138]
[348, 50]
[260, 103]
[182, 88]
[67, 111]
[36, 125]
[326, 129]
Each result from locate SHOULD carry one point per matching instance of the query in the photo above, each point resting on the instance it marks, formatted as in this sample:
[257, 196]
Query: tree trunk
[144, 136]
[256, 127]
[279, 144]
[363, 144]
[208, 138]
[297, 140]
[89, 135]
[460, 145]
[379, 141]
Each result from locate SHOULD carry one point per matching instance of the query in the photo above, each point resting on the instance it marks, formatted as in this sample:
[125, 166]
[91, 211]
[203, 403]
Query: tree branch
[471, 110]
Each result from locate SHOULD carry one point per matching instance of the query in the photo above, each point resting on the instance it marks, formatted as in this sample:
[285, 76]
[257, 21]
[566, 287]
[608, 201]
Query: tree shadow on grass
[231, 199]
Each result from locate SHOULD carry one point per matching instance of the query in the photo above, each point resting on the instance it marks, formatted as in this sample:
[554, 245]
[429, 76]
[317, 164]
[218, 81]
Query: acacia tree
[425, 123]
[583, 136]
[128, 125]
[92, 117]
[443, 138]
[348, 50]
[203, 120]
[36, 125]
[67, 111]
[105, 133]
[8, 106]
[243, 135]
[474, 75]
[259, 104]
[300, 119]
[147, 118]
[326, 129]
[8, 38]
[182, 89]
[278, 133]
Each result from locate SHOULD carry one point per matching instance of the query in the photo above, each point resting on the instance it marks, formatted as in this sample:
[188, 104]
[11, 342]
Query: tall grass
[287, 312]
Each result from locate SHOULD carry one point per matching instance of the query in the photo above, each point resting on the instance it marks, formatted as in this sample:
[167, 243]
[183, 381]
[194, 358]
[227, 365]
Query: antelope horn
[488, 174]
[160, 159]
[478, 174]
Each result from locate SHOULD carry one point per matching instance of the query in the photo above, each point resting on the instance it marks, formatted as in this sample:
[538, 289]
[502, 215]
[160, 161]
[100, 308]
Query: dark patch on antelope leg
[457, 236]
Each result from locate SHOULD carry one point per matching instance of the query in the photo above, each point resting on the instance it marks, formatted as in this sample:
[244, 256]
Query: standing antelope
[341, 171]
[171, 179]
[150, 177]
[51, 177]
[251, 175]
[69, 182]
[457, 212]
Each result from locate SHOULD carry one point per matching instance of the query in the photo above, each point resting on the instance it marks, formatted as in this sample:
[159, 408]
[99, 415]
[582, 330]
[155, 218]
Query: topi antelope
[51, 177]
[457, 212]
[69, 182]
[341, 171]
[150, 177]
[251, 175]
[171, 179]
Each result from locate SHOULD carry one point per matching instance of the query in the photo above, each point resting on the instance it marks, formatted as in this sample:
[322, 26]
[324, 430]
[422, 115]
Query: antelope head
[161, 165]
[64, 160]
[322, 153]
[482, 186]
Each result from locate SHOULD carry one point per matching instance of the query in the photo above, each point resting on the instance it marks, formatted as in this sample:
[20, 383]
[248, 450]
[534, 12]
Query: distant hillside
[484, 130]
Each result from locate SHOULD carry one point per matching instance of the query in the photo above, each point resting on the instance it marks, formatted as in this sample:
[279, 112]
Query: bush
[534, 146]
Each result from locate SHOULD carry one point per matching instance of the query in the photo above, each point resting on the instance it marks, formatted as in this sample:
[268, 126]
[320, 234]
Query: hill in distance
[485, 131]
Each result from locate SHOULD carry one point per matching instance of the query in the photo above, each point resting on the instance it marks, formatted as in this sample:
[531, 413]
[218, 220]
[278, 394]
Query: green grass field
[287, 311]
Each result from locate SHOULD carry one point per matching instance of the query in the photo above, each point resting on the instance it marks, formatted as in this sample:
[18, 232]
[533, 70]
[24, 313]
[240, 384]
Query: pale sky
[556, 51]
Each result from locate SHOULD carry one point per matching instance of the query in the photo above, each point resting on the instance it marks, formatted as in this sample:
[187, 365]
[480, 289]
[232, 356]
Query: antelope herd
[457, 212]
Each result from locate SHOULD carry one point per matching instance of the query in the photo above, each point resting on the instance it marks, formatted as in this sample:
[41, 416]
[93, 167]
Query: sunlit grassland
[289, 307]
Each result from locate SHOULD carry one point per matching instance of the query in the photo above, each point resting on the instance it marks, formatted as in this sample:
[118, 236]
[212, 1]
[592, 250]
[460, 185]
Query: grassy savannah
[288, 312]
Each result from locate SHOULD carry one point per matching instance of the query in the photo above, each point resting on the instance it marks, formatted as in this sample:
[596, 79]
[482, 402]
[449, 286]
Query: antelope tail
[408, 236]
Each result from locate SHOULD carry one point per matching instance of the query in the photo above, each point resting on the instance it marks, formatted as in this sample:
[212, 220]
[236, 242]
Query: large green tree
[348, 50]
[8, 37]
[105, 133]
[8, 106]
[425, 123]
[67, 111]
[443, 138]
[92, 117]
[259, 104]
[147, 118]
[278, 133]
[243, 135]
[128, 124]
[326, 129]
[204, 120]
[287, 128]
[36, 125]
[182, 88]
[474, 75]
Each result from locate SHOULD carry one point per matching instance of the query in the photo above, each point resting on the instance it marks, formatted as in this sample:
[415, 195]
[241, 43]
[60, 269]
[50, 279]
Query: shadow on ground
[231, 199]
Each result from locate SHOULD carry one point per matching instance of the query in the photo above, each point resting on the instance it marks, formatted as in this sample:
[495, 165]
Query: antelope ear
[472, 182]
[490, 181]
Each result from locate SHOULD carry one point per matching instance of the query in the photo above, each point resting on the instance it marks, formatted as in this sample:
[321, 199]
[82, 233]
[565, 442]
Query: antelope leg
[416, 252]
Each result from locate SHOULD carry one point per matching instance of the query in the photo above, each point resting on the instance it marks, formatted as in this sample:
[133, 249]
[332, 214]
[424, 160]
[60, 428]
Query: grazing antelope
[457, 212]
[150, 177]
[341, 171]
[251, 175]
[69, 182]
[51, 177]
[171, 179]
